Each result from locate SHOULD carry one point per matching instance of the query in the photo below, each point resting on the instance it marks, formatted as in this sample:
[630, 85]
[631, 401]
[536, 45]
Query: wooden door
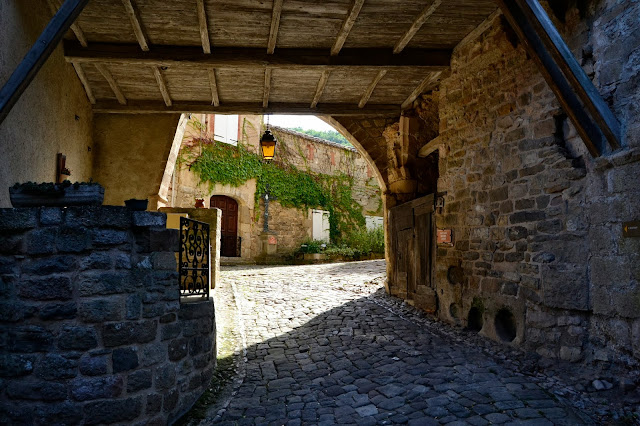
[229, 224]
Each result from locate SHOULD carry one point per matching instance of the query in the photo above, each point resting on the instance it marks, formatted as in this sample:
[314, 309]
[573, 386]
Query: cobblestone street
[325, 345]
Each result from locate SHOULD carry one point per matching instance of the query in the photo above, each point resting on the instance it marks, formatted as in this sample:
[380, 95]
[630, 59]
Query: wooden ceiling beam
[428, 83]
[320, 87]
[354, 11]
[85, 83]
[162, 85]
[152, 107]
[112, 83]
[215, 99]
[267, 87]
[275, 25]
[415, 27]
[371, 88]
[54, 5]
[204, 27]
[284, 58]
[136, 23]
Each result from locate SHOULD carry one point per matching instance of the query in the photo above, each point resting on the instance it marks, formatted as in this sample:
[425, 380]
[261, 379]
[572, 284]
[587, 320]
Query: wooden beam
[162, 85]
[112, 83]
[275, 25]
[267, 87]
[204, 27]
[136, 23]
[415, 27]
[371, 88]
[152, 107]
[586, 127]
[85, 82]
[284, 58]
[324, 77]
[578, 79]
[215, 99]
[430, 146]
[354, 11]
[38, 55]
[428, 83]
[54, 5]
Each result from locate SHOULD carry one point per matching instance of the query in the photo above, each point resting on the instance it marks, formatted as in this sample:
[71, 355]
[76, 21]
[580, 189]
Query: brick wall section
[538, 222]
[91, 323]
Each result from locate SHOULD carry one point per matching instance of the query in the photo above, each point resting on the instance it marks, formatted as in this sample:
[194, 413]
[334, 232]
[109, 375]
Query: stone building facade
[290, 226]
[538, 258]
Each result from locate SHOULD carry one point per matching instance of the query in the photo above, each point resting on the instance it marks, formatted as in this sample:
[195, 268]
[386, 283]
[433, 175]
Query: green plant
[312, 246]
[366, 241]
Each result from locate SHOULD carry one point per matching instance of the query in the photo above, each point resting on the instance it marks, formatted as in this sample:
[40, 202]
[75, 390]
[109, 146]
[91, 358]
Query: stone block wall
[91, 325]
[537, 222]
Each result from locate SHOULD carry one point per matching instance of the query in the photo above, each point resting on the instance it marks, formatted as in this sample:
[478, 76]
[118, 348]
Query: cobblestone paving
[322, 350]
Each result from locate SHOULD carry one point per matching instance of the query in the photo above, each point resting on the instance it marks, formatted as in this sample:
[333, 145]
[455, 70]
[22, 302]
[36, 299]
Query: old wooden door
[411, 241]
[229, 224]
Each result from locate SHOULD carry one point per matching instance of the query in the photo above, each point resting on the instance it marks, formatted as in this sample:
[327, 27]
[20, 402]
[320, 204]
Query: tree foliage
[329, 135]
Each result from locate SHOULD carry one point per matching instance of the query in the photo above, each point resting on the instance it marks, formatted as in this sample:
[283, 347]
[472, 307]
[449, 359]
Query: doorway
[230, 243]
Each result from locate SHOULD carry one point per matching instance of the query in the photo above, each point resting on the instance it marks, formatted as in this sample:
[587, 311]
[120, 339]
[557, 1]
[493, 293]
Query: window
[320, 225]
[226, 129]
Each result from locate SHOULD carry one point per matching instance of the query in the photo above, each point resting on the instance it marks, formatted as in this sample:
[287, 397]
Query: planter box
[81, 195]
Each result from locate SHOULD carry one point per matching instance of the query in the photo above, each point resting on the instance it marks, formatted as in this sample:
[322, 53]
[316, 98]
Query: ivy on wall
[220, 163]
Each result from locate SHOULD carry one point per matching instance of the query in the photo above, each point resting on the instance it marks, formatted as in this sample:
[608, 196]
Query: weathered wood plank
[426, 84]
[112, 83]
[415, 27]
[162, 85]
[322, 82]
[204, 27]
[430, 146]
[371, 88]
[588, 130]
[225, 57]
[85, 83]
[38, 55]
[356, 6]
[275, 25]
[267, 87]
[138, 30]
[580, 82]
[215, 99]
[150, 107]
[54, 5]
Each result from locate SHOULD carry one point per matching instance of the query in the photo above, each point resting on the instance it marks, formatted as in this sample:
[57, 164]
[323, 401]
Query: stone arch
[163, 191]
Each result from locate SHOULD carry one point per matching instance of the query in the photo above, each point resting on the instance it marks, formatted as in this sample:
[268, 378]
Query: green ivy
[220, 163]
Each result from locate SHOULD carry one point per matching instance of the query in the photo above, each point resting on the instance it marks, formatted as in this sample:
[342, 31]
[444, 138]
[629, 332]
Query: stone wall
[52, 116]
[91, 324]
[539, 253]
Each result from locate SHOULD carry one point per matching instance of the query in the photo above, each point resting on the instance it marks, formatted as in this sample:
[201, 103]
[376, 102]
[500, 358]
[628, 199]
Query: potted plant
[51, 194]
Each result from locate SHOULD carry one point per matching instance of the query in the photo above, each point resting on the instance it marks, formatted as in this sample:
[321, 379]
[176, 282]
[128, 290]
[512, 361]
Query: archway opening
[505, 324]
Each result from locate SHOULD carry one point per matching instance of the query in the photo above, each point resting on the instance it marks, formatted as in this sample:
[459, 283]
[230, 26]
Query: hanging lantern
[268, 145]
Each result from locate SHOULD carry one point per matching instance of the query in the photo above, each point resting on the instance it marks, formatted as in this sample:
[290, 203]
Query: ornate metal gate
[194, 258]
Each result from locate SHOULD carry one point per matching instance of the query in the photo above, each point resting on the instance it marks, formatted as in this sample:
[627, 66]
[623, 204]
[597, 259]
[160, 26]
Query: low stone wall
[91, 325]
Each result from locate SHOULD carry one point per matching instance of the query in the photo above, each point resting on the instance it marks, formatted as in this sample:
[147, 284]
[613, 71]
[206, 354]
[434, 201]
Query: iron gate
[194, 258]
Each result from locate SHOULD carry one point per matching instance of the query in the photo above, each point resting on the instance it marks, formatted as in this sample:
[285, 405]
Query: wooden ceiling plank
[267, 87]
[150, 107]
[284, 58]
[320, 88]
[215, 99]
[112, 83]
[162, 85]
[54, 5]
[275, 25]
[85, 83]
[354, 11]
[371, 88]
[204, 27]
[415, 27]
[425, 85]
[136, 23]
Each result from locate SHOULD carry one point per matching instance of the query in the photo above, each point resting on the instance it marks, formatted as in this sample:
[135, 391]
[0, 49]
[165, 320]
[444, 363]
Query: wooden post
[38, 54]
